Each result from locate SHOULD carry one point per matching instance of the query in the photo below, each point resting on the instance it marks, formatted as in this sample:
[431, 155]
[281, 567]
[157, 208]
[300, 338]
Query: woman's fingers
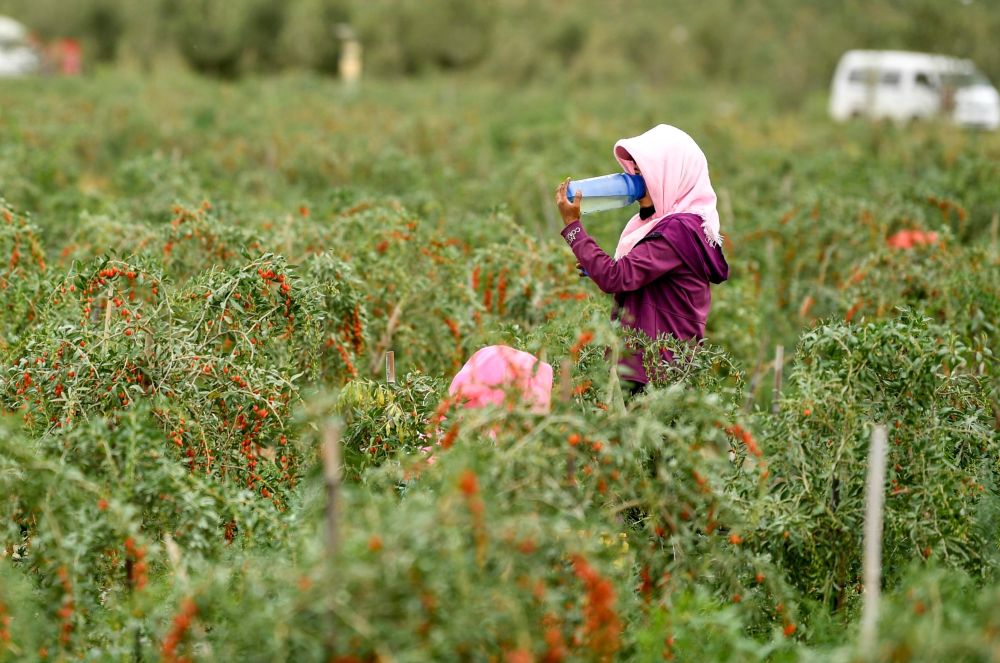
[561, 192]
[570, 211]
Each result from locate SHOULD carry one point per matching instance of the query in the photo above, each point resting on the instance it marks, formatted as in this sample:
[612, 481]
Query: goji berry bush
[190, 313]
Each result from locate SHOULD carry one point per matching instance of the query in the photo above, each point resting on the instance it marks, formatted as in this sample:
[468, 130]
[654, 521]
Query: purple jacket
[662, 285]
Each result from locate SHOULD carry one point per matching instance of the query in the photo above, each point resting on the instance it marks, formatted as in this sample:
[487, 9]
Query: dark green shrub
[911, 375]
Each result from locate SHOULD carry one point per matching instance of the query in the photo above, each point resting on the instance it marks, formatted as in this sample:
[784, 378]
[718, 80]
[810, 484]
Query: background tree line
[790, 46]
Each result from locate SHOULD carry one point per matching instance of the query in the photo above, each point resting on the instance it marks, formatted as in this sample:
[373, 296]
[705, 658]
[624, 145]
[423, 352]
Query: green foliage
[410, 36]
[22, 276]
[697, 365]
[308, 37]
[213, 36]
[92, 545]
[937, 614]
[385, 421]
[954, 285]
[211, 274]
[910, 375]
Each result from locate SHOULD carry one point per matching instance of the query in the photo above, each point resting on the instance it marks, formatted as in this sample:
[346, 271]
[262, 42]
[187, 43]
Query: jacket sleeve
[646, 262]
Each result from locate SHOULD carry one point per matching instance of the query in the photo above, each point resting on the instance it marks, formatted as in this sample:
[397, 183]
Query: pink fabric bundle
[676, 174]
[494, 370]
[907, 239]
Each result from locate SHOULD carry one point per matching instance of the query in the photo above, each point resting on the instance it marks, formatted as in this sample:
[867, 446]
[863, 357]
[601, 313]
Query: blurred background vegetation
[790, 46]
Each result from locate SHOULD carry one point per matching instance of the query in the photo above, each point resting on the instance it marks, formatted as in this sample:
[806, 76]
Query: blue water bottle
[607, 191]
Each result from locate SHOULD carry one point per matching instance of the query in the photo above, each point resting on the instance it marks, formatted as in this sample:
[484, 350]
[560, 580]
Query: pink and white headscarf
[676, 175]
[496, 369]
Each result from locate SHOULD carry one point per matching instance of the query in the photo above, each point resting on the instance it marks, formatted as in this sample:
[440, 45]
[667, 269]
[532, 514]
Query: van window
[965, 79]
[924, 80]
[891, 78]
[863, 75]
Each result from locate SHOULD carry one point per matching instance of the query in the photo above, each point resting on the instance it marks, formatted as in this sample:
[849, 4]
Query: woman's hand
[569, 209]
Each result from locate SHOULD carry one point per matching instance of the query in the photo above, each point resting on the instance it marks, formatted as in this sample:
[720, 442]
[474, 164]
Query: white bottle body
[600, 203]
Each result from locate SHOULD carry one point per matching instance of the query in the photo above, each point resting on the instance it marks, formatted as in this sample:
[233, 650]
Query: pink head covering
[676, 175]
[493, 370]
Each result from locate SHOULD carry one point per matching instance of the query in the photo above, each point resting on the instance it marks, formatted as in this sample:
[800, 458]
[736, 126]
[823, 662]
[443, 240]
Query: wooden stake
[390, 367]
[390, 328]
[331, 477]
[174, 555]
[759, 370]
[751, 389]
[330, 452]
[779, 363]
[872, 563]
[821, 279]
[107, 317]
[566, 381]
[994, 230]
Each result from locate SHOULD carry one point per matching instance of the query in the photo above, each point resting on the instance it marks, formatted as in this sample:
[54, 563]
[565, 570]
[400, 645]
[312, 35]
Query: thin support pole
[759, 371]
[566, 381]
[390, 367]
[330, 452]
[994, 232]
[331, 477]
[872, 563]
[779, 364]
[107, 317]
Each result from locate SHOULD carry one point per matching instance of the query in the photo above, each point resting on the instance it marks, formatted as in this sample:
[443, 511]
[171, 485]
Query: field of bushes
[200, 281]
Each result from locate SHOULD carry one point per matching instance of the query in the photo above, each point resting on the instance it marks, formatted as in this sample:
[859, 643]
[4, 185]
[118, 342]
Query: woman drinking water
[669, 252]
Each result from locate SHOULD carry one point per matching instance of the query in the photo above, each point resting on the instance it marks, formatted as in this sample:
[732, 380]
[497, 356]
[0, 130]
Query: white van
[905, 86]
[17, 56]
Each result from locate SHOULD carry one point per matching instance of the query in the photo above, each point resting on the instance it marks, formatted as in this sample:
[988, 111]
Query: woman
[496, 373]
[668, 254]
